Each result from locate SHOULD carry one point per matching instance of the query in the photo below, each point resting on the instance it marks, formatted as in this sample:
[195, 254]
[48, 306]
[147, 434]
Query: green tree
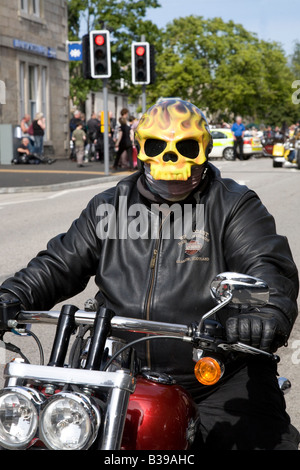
[295, 60]
[225, 70]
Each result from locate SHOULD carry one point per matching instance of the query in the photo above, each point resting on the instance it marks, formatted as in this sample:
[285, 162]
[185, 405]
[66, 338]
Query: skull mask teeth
[173, 137]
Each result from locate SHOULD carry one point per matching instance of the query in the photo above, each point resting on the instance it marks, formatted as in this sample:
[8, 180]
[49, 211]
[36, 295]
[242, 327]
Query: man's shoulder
[227, 187]
[123, 188]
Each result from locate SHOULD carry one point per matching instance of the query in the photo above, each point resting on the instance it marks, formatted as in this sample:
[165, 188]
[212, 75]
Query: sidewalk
[62, 174]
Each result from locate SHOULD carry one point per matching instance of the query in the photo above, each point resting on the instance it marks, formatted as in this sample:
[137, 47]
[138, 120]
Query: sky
[274, 20]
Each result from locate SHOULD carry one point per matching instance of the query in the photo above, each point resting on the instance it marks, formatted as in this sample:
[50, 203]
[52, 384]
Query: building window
[36, 7]
[32, 90]
[34, 84]
[31, 9]
[24, 6]
[22, 89]
[44, 91]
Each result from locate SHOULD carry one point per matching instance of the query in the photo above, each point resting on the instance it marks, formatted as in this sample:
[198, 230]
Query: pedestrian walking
[79, 138]
[238, 130]
[74, 121]
[124, 141]
[93, 124]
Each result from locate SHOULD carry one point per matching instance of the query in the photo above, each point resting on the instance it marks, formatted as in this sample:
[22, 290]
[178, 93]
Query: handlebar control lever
[10, 306]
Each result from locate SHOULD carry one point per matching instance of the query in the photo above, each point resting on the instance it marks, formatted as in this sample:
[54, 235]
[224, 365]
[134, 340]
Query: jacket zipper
[150, 291]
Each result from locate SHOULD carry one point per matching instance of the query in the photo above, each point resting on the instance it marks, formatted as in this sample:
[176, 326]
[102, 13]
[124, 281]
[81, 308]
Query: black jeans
[119, 153]
[238, 143]
[246, 412]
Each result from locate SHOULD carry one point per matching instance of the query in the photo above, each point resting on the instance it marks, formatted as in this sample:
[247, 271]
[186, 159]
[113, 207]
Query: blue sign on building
[75, 51]
[35, 48]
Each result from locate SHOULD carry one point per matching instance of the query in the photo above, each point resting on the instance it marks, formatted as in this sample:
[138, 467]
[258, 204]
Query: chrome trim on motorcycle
[69, 421]
[244, 348]
[115, 419]
[119, 323]
[19, 411]
[149, 327]
[81, 317]
[61, 375]
[213, 311]
[158, 377]
[284, 385]
[245, 290]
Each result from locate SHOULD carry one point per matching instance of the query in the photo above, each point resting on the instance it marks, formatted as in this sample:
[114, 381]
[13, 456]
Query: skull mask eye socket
[154, 147]
[188, 148]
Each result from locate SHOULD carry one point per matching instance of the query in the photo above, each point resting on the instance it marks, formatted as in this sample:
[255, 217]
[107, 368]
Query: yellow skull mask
[173, 137]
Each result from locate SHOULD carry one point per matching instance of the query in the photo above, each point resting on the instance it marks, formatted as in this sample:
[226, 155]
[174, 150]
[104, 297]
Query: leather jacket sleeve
[63, 269]
[252, 246]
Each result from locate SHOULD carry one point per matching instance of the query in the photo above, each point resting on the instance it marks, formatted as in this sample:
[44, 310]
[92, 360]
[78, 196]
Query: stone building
[34, 67]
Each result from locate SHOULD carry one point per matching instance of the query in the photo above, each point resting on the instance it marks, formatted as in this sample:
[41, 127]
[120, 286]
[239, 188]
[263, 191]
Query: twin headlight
[66, 421]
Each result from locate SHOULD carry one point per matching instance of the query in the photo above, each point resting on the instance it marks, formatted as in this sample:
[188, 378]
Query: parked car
[252, 145]
[223, 144]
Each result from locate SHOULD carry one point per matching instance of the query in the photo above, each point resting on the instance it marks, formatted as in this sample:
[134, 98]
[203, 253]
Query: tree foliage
[219, 66]
[225, 70]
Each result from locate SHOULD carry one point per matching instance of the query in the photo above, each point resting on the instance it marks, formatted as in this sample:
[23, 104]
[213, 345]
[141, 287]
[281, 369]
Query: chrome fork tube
[114, 423]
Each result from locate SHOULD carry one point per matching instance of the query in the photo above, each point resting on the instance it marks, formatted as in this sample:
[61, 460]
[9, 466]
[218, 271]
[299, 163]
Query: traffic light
[102, 126]
[152, 64]
[86, 66]
[140, 63]
[100, 60]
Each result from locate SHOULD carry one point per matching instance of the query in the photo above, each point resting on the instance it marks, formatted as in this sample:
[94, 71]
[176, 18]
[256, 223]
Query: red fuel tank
[161, 416]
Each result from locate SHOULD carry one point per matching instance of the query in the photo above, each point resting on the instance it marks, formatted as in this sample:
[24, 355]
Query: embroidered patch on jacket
[192, 249]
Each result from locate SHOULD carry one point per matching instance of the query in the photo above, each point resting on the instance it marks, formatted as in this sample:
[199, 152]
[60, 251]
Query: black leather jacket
[159, 278]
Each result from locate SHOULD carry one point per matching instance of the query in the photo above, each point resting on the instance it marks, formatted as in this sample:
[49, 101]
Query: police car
[223, 144]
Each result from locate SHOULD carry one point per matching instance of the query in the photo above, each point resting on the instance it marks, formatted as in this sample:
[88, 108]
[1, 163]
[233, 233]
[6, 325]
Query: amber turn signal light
[208, 370]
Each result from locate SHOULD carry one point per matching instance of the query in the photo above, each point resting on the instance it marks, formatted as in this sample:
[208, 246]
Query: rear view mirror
[245, 291]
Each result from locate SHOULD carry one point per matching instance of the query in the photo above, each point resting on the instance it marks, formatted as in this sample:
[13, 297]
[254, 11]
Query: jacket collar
[209, 173]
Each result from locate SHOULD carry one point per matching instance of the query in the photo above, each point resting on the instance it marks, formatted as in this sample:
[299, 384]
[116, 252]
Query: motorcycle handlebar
[118, 323]
[184, 332]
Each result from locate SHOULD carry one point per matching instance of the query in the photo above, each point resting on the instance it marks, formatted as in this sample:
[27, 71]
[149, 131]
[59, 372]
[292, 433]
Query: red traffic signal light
[99, 40]
[140, 50]
[140, 63]
[100, 60]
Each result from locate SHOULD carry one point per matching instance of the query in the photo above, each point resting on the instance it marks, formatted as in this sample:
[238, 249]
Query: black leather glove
[266, 330]
[10, 306]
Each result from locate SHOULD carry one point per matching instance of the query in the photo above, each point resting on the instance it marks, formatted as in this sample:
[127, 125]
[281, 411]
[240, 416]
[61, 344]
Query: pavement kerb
[62, 186]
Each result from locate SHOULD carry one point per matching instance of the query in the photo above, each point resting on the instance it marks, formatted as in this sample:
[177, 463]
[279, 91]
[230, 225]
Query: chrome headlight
[69, 421]
[19, 408]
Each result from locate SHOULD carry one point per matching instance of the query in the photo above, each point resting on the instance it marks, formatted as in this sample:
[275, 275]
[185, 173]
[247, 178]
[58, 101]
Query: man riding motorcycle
[161, 276]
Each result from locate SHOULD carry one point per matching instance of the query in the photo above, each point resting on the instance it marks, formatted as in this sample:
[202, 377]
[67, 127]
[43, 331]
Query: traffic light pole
[143, 98]
[106, 145]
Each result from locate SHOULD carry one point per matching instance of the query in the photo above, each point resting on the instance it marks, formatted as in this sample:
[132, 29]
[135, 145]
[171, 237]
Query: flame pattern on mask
[173, 120]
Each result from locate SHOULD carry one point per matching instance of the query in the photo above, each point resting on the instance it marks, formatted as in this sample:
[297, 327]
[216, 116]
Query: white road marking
[55, 195]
